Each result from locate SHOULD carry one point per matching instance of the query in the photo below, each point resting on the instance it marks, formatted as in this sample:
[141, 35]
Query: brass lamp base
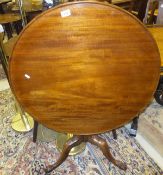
[61, 139]
[22, 123]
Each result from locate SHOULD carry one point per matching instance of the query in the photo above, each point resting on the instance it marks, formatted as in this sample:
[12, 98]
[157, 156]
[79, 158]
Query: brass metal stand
[21, 122]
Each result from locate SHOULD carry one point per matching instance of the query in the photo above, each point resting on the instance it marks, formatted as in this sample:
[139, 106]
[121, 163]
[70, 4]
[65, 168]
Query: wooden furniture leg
[102, 144]
[114, 134]
[8, 30]
[134, 127]
[74, 141]
[35, 131]
[18, 27]
[142, 9]
[77, 140]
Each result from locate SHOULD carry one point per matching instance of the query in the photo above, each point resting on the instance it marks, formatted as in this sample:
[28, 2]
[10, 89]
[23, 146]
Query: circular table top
[84, 68]
[9, 17]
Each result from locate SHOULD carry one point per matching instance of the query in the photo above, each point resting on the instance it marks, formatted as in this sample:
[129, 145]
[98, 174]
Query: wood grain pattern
[86, 73]
[10, 17]
[157, 33]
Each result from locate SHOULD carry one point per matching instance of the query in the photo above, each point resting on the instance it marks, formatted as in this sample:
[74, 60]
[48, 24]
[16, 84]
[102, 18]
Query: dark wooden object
[114, 134]
[134, 127]
[78, 71]
[93, 139]
[142, 9]
[85, 69]
[35, 129]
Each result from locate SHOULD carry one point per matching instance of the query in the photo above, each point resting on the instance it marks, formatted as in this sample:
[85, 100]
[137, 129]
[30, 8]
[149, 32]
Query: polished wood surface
[157, 33]
[10, 17]
[85, 73]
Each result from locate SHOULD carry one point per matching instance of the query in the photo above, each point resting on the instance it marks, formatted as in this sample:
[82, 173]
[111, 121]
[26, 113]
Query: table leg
[18, 26]
[8, 30]
[35, 129]
[114, 134]
[102, 144]
[93, 139]
[74, 141]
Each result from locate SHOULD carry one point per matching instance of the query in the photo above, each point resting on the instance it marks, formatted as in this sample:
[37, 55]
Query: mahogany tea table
[84, 68]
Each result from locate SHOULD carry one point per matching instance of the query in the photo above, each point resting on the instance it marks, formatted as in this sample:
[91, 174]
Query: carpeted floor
[154, 114]
[20, 156]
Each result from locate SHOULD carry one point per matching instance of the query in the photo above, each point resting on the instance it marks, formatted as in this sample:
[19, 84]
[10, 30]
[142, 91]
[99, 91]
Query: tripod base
[22, 126]
[93, 139]
[61, 139]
